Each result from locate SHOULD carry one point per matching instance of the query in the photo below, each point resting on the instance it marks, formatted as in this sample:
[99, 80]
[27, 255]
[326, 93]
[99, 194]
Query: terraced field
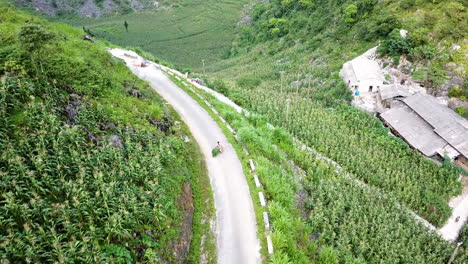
[184, 35]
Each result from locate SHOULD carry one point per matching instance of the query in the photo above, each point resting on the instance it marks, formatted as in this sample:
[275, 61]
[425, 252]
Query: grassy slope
[67, 193]
[184, 35]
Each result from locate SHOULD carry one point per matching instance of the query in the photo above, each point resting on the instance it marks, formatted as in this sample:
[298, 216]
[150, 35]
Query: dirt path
[237, 240]
[459, 205]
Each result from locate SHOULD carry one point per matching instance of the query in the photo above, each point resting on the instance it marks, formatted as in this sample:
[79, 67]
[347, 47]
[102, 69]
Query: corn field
[362, 146]
[92, 162]
[321, 216]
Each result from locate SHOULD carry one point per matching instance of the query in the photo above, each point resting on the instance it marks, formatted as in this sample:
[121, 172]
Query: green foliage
[289, 43]
[321, 216]
[456, 23]
[220, 86]
[85, 175]
[463, 111]
[455, 92]
[249, 82]
[119, 254]
[215, 151]
[328, 256]
[183, 42]
[419, 37]
[349, 14]
[425, 52]
[33, 37]
[278, 26]
[394, 45]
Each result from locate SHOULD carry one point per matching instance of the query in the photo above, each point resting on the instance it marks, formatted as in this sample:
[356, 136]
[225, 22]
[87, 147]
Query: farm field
[321, 216]
[184, 35]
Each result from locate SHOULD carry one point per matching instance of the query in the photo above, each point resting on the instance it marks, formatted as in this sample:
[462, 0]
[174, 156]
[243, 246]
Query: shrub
[394, 45]
[419, 37]
[248, 82]
[328, 256]
[427, 52]
[386, 24]
[462, 111]
[349, 14]
[220, 86]
[455, 92]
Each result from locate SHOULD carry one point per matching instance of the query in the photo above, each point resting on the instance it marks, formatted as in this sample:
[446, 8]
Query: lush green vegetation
[313, 221]
[93, 165]
[185, 35]
[284, 65]
[292, 54]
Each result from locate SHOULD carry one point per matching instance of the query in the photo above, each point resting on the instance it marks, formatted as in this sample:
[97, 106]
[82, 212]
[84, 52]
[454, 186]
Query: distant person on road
[219, 147]
[457, 219]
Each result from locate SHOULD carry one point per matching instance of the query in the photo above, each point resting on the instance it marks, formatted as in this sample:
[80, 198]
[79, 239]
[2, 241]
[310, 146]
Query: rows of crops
[361, 144]
[320, 216]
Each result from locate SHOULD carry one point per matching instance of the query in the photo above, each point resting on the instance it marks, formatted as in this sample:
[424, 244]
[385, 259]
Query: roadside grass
[203, 240]
[185, 35]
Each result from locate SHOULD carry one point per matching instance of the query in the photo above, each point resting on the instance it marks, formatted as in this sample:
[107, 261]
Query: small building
[430, 127]
[363, 74]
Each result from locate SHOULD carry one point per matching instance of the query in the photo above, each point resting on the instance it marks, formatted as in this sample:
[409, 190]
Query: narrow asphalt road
[237, 241]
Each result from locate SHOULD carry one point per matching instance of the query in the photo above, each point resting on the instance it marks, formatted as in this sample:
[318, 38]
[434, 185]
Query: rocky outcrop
[87, 8]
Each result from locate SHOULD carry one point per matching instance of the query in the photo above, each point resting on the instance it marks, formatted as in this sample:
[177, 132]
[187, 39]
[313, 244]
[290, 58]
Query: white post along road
[236, 229]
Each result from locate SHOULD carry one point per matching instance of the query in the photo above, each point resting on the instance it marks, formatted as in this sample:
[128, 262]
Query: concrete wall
[364, 85]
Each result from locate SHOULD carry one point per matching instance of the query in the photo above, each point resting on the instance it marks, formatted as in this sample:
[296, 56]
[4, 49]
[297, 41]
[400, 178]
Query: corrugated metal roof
[392, 91]
[417, 132]
[456, 135]
[435, 113]
[449, 151]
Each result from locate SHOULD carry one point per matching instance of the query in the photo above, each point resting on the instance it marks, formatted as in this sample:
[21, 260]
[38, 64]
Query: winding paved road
[237, 241]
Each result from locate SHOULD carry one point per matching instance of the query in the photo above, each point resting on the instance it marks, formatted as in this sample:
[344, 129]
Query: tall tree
[126, 25]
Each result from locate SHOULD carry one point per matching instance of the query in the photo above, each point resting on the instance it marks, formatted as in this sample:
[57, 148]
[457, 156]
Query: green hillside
[184, 35]
[280, 59]
[94, 167]
[286, 66]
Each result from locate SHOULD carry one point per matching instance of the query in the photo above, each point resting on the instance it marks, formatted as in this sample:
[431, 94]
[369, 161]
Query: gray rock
[88, 38]
[135, 93]
[106, 126]
[91, 137]
[451, 65]
[116, 141]
[150, 233]
[71, 113]
[245, 21]
[455, 47]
